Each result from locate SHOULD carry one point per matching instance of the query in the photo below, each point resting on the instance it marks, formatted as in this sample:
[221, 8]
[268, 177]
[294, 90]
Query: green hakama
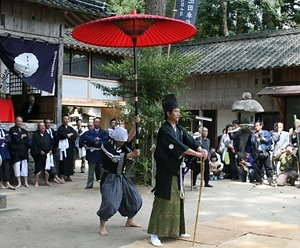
[167, 216]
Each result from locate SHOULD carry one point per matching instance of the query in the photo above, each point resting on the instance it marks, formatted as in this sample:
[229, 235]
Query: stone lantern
[247, 107]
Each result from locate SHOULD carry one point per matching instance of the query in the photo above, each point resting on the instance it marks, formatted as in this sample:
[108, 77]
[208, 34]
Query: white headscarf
[118, 134]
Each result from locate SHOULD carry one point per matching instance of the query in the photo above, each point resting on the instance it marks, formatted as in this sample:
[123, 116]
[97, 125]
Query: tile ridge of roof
[247, 36]
[94, 9]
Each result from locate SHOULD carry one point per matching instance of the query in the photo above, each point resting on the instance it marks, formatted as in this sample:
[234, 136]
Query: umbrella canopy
[134, 30]
[148, 30]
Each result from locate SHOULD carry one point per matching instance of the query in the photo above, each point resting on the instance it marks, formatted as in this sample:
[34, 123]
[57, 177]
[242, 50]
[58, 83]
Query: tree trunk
[224, 17]
[156, 7]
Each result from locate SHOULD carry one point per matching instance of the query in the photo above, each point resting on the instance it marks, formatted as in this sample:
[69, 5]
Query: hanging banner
[35, 63]
[186, 10]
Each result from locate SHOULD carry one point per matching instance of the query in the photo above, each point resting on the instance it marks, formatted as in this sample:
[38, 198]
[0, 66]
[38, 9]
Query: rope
[182, 166]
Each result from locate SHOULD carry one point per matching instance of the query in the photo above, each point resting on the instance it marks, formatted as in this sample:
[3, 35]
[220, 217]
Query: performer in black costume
[118, 192]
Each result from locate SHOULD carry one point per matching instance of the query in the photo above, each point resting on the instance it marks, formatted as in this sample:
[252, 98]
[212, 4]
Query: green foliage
[143, 170]
[246, 16]
[124, 7]
[65, 111]
[158, 75]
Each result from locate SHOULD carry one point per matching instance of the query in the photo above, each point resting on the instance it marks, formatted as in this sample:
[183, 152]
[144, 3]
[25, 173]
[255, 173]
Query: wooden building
[48, 21]
[257, 63]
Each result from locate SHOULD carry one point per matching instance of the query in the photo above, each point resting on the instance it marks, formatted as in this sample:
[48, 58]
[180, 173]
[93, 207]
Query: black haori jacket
[168, 155]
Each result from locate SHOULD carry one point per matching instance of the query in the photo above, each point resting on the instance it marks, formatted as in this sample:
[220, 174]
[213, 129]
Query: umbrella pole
[199, 199]
[134, 40]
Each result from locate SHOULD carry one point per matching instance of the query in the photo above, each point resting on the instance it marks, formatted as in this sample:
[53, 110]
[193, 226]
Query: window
[76, 63]
[79, 63]
[15, 86]
[67, 62]
[97, 61]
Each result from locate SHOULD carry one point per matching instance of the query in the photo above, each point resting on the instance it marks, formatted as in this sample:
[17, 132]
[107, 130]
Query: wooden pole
[297, 136]
[173, 15]
[298, 146]
[199, 199]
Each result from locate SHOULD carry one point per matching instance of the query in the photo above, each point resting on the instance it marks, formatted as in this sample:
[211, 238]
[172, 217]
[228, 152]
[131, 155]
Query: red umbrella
[134, 30]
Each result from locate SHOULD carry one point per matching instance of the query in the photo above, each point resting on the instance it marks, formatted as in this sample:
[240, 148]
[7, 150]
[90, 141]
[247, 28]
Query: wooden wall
[291, 74]
[31, 19]
[220, 91]
[47, 106]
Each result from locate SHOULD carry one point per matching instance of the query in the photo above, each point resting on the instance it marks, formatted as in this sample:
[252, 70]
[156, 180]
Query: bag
[221, 147]
[226, 157]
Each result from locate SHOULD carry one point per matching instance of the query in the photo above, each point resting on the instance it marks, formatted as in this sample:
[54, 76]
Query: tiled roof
[69, 41]
[280, 48]
[77, 12]
[92, 7]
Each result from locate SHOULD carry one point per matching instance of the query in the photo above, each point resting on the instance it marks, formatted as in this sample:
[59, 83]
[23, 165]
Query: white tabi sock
[155, 240]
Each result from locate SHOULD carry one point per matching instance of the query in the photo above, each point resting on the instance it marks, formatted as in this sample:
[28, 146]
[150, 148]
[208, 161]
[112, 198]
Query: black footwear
[87, 187]
[208, 185]
[82, 170]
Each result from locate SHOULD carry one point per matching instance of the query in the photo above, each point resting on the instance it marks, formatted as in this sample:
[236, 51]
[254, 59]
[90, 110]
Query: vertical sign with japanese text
[186, 10]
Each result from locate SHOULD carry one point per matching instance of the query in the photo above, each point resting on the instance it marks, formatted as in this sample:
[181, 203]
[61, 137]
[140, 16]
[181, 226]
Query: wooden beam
[280, 107]
[83, 102]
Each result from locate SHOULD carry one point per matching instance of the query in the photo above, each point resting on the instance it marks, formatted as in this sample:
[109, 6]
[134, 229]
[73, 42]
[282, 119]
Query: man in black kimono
[173, 143]
[19, 151]
[66, 136]
[41, 148]
[30, 110]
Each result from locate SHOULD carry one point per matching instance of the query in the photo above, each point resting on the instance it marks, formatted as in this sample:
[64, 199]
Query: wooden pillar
[59, 83]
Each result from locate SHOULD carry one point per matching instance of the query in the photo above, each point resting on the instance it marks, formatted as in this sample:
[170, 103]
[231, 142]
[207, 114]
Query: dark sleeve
[36, 110]
[74, 136]
[168, 140]
[248, 145]
[26, 139]
[34, 146]
[82, 140]
[61, 133]
[7, 137]
[49, 142]
[190, 141]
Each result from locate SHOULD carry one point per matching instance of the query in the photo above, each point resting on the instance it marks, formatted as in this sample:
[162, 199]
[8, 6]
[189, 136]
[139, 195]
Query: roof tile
[264, 50]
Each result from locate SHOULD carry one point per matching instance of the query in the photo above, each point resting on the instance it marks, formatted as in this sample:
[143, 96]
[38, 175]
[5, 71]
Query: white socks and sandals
[155, 241]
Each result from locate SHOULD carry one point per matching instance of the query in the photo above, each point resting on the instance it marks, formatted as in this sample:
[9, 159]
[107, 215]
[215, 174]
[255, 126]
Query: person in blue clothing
[246, 167]
[93, 139]
[5, 155]
[258, 145]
